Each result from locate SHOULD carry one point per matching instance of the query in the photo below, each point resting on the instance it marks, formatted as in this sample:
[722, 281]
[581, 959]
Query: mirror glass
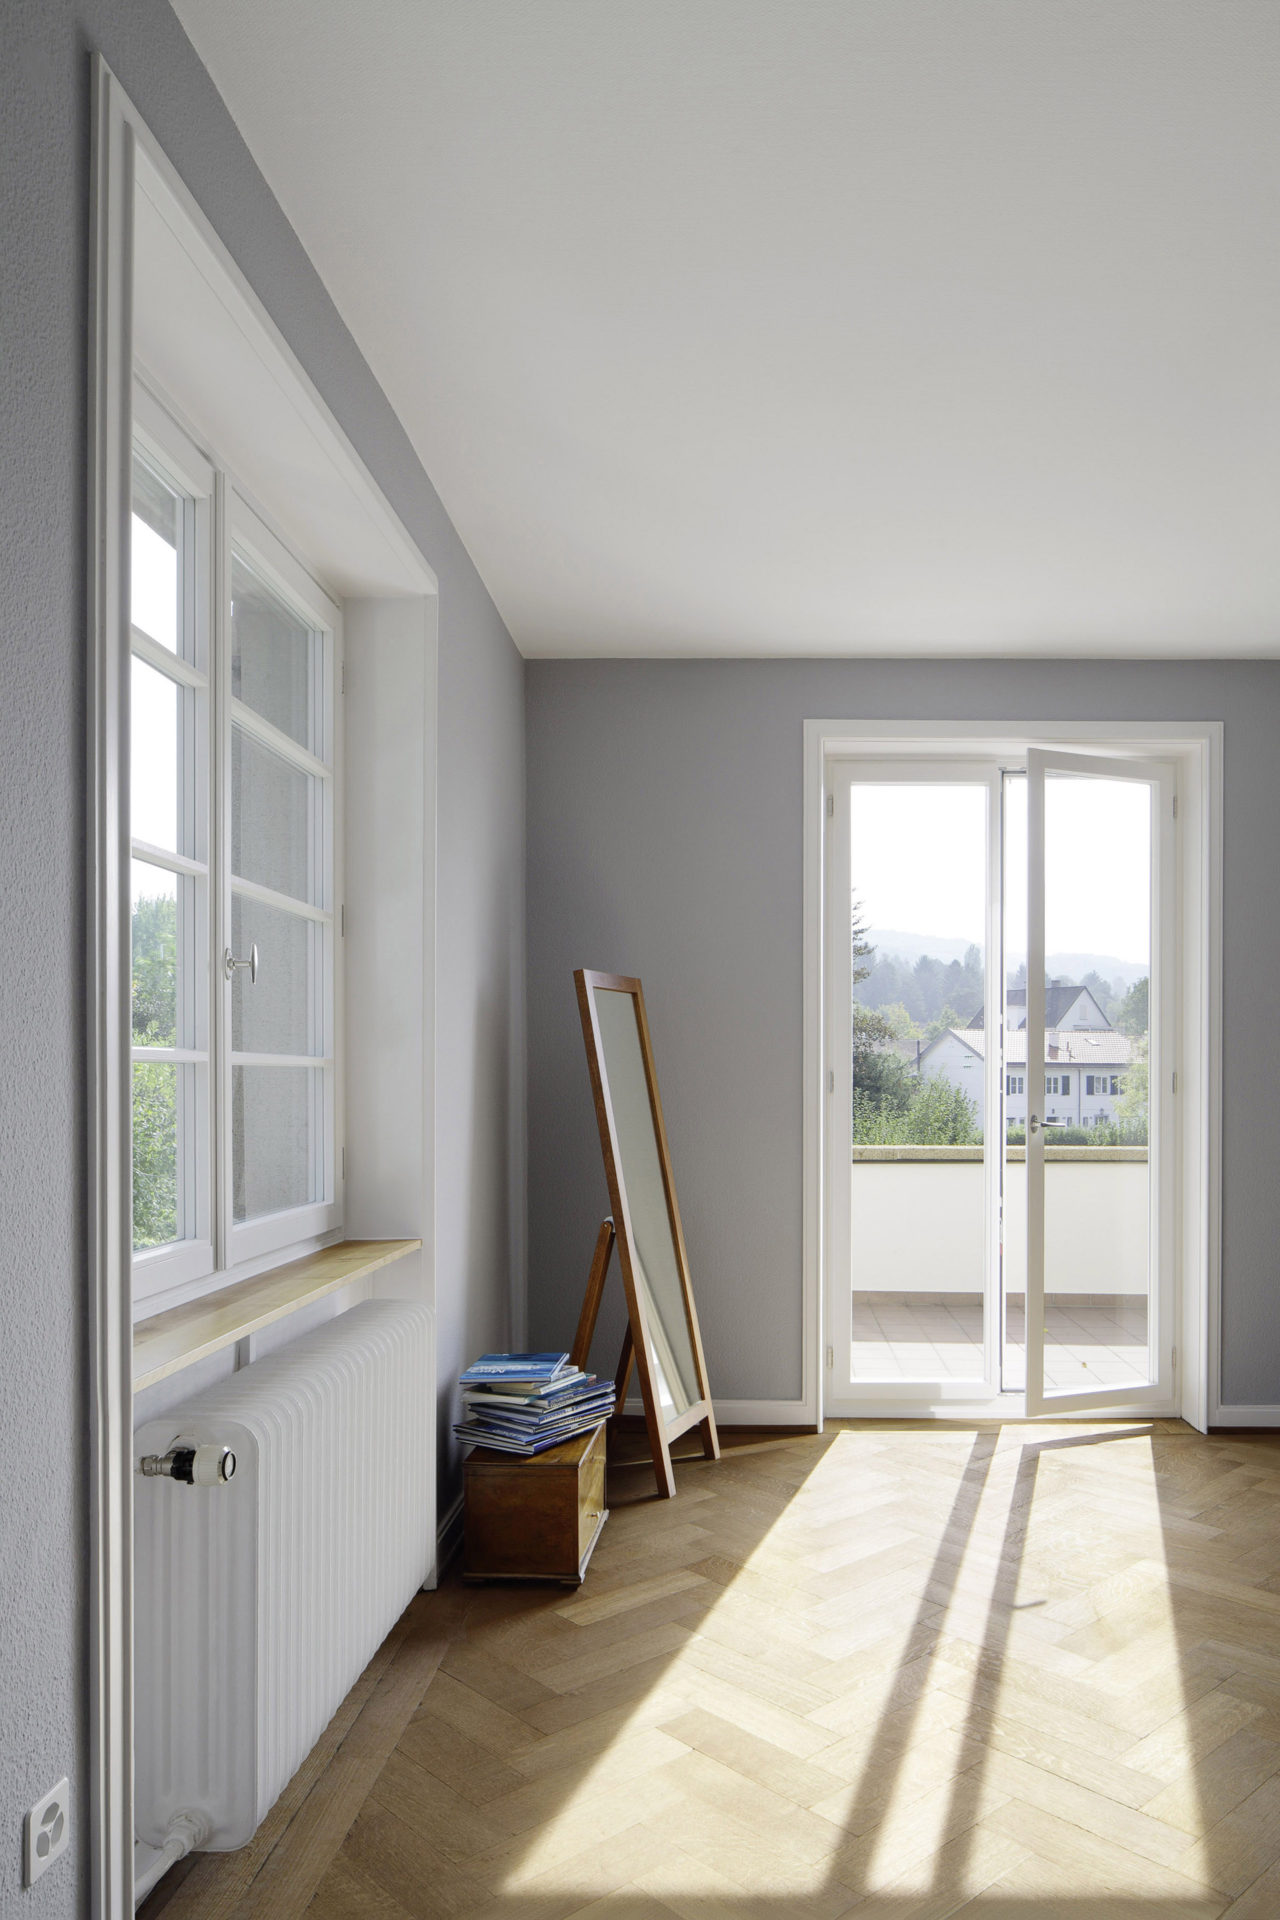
[653, 1252]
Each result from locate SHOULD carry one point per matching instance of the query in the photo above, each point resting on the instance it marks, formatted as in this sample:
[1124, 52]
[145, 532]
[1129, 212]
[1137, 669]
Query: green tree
[882, 1081]
[1131, 1107]
[155, 1083]
[1103, 992]
[936, 1115]
[947, 1017]
[871, 1031]
[900, 1024]
[1133, 1016]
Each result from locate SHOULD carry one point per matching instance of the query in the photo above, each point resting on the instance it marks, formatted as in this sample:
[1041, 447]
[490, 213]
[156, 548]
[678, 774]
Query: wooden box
[538, 1518]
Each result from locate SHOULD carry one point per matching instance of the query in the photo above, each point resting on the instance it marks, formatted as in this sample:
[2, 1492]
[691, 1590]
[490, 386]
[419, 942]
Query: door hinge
[831, 1080]
[831, 806]
[1174, 1359]
[342, 1159]
[831, 1357]
[342, 920]
[1174, 1082]
[342, 677]
[1175, 806]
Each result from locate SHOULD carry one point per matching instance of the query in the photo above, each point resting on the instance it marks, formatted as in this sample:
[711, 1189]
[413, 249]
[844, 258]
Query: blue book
[537, 1367]
[482, 1437]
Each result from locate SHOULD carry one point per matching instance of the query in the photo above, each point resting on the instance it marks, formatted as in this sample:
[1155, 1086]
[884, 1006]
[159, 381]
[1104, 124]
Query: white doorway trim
[1196, 747]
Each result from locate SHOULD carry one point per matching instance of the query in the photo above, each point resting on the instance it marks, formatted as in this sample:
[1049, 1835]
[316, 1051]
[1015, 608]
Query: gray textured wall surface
[665, 839]
[44, 183]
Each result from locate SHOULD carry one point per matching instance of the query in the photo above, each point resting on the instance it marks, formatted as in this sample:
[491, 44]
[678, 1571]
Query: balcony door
[999, 1037]
[1098, 1219]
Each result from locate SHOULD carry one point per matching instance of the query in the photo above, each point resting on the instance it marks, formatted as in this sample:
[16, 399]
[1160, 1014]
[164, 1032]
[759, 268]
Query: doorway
[1004, 1004]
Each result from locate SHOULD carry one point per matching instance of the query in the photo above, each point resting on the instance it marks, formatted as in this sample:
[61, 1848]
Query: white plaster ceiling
[808, 326]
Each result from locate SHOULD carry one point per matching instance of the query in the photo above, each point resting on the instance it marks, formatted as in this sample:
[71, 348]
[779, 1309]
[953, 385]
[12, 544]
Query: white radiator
[258, 1603]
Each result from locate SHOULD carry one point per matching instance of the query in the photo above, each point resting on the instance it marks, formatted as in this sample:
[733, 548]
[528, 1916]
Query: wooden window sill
[175, 1338]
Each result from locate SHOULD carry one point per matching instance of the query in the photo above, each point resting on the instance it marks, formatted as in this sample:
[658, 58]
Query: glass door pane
[918, 1209]
[1087, 1047]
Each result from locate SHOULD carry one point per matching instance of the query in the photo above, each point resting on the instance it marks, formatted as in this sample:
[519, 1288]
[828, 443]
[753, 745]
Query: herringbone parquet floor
[899, 1672]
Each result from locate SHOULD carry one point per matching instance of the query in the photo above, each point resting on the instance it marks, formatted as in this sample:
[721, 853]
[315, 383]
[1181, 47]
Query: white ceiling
[830, 327]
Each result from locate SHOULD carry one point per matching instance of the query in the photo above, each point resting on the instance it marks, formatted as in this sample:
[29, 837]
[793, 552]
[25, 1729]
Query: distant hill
[1074, 966]
[1063, 966]
[910, 946]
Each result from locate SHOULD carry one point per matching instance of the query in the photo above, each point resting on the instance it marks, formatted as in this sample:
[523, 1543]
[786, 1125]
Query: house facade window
[235, 826]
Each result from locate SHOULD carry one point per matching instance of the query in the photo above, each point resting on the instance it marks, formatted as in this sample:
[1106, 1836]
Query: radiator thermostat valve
[207, 1466]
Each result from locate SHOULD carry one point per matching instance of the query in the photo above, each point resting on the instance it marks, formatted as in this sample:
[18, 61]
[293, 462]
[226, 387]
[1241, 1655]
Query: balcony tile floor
[1092, 1340]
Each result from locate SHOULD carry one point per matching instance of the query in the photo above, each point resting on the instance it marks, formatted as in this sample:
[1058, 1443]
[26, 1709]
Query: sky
[918, 863]
[153, 720]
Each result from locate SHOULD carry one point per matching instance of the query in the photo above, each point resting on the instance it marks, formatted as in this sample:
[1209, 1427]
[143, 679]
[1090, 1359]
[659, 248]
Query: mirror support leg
[710, 1439]
[581, 1352]
[622, 1378]
[595, 1293]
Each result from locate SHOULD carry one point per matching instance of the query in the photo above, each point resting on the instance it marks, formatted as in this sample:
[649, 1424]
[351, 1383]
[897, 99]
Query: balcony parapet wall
[1014, 1156]
[918, 1219]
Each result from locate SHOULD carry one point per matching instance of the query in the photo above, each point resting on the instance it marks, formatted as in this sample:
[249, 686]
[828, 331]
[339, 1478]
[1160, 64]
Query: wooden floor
[895, 1671]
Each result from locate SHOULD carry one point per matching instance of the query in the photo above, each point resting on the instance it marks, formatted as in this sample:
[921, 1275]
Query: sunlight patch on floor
[945, 1626]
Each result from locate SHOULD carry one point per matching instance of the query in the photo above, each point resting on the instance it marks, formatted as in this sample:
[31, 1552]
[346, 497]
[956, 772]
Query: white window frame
[155, 263]
[224, 521]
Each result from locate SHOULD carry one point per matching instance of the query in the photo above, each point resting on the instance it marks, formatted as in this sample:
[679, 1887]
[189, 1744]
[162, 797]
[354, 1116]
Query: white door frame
[1196, 750]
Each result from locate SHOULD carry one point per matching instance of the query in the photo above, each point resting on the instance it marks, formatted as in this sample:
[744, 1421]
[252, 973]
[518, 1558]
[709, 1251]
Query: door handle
[1035, 1123]
[230, 963]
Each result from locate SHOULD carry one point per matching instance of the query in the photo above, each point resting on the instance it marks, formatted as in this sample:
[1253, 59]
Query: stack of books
[527, 1402]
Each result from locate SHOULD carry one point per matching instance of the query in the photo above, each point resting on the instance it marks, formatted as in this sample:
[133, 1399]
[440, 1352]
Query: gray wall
[664, 833]
[44, 157]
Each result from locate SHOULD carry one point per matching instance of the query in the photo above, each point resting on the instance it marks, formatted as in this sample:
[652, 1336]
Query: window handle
[230, 963]
[1034, 1124]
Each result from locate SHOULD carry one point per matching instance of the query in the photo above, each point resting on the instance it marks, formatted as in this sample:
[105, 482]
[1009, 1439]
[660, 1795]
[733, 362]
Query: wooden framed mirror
[664, 1336]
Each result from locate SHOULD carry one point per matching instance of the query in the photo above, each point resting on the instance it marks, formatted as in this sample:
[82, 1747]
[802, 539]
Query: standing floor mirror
[663, 1341]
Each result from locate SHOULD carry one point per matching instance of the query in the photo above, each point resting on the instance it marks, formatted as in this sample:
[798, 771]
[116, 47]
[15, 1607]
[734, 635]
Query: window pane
[918, 1190]
[154, 580]
[170, 963]
[155, 1154]
[1098, 1318]
[277, 660]
[277, 1127]
[276, 818]
[283, 1011]
[153, 769]
[1097, 1197]
[155, 957]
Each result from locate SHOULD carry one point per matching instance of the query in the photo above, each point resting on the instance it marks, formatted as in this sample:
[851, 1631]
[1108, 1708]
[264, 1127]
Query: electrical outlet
[46, 1831]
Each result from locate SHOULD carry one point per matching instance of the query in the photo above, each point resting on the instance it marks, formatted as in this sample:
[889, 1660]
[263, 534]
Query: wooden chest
[535, 1519]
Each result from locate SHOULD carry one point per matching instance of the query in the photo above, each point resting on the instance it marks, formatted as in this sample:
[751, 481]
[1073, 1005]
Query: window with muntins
[235, 815]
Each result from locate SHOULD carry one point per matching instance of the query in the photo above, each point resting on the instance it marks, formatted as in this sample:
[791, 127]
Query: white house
[1083, 1071]
[1066, 1007]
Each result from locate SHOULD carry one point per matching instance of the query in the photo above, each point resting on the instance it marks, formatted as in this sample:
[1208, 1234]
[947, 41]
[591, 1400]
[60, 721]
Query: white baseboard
[752, 1413]
[1245, 1417]
[764, 1413]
